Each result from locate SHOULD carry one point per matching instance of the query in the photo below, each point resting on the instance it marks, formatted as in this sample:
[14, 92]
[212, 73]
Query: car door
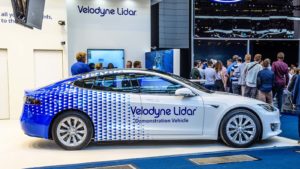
[163, 113]
[118, 96]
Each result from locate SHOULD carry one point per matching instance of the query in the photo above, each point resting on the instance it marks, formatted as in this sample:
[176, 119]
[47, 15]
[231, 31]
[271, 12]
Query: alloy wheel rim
[71, 131]
[241, 129]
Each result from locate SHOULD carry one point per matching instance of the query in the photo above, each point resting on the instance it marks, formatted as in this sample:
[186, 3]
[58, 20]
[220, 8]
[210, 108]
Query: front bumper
[270, 123]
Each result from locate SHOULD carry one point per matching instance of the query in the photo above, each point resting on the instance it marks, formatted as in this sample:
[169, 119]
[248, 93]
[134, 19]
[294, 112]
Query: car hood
[229, 98]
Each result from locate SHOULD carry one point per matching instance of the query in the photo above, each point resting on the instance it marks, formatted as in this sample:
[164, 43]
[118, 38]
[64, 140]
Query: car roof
[118, 71]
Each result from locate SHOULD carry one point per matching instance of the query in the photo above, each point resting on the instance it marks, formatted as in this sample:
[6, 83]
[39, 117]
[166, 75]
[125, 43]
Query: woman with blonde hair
[80, 66]
[99, 66]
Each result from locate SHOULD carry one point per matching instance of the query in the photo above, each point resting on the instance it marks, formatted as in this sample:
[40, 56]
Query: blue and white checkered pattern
[110, 112]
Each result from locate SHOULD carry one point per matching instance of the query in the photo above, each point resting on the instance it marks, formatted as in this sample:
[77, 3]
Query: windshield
[186, 81]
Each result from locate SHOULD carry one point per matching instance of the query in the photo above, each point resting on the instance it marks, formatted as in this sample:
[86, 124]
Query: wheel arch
[66, 111]
[245, 108]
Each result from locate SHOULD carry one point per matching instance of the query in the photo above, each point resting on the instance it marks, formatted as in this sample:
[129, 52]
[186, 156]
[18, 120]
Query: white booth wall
[33, 58]
[112, 31]
[29, 58]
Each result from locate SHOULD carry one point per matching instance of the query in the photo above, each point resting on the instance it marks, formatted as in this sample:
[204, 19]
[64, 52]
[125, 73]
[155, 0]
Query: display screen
[259, 19]
[20, 10]
[106, 56]
[160, 60]
[29, 13]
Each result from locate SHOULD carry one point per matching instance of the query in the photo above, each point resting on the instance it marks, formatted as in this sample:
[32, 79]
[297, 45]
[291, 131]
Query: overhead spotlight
[62, 23]
[153, 48]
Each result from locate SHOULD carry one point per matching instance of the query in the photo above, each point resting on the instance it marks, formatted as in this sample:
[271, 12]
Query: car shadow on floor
[50, 144]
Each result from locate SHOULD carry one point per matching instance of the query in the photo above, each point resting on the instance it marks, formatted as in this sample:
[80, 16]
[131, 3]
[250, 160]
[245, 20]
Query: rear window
[85, 83]
[117, 83]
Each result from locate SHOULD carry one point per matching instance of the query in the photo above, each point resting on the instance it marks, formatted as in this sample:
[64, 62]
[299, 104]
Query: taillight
[31, 100]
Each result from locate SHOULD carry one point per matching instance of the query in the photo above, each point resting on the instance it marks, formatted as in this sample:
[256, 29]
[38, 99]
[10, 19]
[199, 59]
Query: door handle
[152, 100]
[214, 106]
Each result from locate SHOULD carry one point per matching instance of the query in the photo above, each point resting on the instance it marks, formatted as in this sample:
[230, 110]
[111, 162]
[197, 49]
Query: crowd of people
[81, 66]
[258, 79]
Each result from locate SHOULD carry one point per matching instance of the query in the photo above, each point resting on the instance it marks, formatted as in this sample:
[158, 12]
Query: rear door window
[116, 83]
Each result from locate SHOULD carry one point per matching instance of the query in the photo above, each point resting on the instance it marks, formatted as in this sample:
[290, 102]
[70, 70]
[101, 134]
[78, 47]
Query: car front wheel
[240, 128]
[72, 131]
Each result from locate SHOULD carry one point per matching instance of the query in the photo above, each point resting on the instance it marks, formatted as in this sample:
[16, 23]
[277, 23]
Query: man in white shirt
[210, 76]
[251, 71]
[242, 78]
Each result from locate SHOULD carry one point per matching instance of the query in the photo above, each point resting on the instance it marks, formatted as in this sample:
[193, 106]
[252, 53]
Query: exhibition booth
[108, 31]
[122, 114]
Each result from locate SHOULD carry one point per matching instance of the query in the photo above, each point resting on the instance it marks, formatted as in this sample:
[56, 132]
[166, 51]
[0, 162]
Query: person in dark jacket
[265, 81]
[80, 66]
[293, 80]
[296, 100]
[195, 74]
[281, 71]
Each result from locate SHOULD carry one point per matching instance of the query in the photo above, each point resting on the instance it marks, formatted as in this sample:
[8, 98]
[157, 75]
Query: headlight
[268, 107]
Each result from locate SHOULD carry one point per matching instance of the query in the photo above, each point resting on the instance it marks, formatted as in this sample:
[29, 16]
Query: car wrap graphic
[110, 112]
[120, 113]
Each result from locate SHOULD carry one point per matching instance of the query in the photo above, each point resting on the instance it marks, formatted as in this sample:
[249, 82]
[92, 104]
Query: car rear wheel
[240, 128]
[72, 131]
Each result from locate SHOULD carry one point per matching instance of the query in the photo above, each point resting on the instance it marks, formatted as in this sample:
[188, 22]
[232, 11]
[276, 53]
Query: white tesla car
[119, 105]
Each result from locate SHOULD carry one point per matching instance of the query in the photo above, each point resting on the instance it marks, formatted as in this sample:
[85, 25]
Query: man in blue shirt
[235, 75]
[80, 66]
[265, 81]
[230, 64]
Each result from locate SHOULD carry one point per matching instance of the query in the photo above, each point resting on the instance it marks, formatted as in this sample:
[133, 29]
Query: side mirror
[185, 92]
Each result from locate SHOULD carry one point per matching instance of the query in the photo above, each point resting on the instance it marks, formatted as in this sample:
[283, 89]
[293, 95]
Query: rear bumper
[34, 124]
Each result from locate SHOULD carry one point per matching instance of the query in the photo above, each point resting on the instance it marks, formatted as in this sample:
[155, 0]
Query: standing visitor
[235, 74]
[251, 71]
[229, 64]
[110, 66]
[137, 65]
[99, 66]
[225, 75]
[80, 66]
[265, 81]
[92, 66]
[128, 64]
[242, 78]
[195, 74]
[292, 72]
[296, 100]
[210, 76]
[201, 69]
[219, 83]
[281, 71]
[293, 80]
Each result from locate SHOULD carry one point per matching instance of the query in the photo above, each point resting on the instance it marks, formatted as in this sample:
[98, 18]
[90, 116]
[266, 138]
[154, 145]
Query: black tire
[82, 121]
[229, 118]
